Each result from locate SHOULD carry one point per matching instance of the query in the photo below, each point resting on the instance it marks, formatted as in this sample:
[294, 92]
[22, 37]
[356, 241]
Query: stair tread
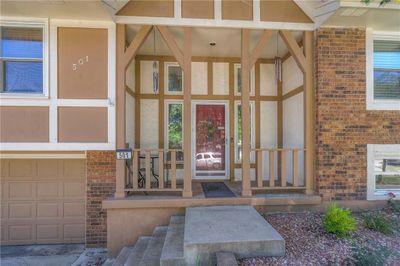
[122, 256]
[173, 245]
[135, 256]
[152, 254]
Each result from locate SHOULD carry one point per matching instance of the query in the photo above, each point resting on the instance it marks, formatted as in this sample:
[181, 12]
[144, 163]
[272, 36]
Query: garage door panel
[74, 209]
[73, 189]
[74, 231]
[21, 233]
[21, 191]
[74, 168]
[48, 210]
[22, 169]
[47, 169]
[48, 232]
[47, 190]
[21, 210]
[42, 201]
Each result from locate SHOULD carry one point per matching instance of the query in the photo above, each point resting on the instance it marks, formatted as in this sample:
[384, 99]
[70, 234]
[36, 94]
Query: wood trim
[288, 54]
[210, 76]
[231, 121]
[172, 45]
[279, 126]
[140, 37]
[292, 93]
[294, 49]
[309, 112]
[129, 91]
[206, 97]
[161, 104]
[187, 114]
[257, 107]
[245, 95]
[266, 35]
[137, 104]
[213, 59]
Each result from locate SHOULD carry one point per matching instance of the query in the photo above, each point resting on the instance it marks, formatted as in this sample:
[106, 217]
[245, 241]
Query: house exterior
[289, 103]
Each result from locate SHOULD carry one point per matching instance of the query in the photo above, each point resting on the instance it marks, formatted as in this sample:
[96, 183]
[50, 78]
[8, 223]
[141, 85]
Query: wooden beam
[288, 54]
[246, 190]
[292, 93]
[120, 109]
[294, 49]
[129, 91]
[255, 54]
[135, 44]
[309, 112]
[187, 114]
[172, 45]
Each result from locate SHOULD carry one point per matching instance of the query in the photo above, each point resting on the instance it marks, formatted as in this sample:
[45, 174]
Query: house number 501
[81, 61]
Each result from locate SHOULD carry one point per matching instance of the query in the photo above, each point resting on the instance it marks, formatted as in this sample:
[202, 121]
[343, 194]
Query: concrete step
[122, 256]
[226, 259]
[172, 252]
[237, 229]
[152, 254]
[138, 250]
[109, 262]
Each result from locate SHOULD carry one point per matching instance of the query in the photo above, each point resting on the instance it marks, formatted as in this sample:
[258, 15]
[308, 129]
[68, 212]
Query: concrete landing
[237, 229]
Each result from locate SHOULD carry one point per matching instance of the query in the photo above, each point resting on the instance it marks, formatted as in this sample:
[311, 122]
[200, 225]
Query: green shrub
[339, 221]
[379, 223]
[362, 255]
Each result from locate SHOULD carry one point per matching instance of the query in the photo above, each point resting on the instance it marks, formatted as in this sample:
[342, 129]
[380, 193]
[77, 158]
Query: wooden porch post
[187, 114]
[124, 57]
[120, 110]
[246, 190]
[309, 112]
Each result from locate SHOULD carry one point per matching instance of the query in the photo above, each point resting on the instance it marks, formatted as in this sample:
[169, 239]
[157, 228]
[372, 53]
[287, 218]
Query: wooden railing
[153, 170]
[278, 176]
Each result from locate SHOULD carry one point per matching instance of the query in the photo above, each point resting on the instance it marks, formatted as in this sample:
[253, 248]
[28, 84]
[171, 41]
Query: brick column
[101, 178]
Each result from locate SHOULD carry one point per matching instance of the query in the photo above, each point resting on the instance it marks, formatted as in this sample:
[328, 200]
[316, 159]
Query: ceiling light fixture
[212, 43]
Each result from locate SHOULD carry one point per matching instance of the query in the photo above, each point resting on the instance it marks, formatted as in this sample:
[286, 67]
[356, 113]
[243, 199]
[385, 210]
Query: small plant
[379, 223]
[339, 221]
[363, 255]
[395, 207]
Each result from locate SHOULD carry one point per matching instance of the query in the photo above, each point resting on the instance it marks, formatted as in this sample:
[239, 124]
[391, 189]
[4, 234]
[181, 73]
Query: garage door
[42, 201]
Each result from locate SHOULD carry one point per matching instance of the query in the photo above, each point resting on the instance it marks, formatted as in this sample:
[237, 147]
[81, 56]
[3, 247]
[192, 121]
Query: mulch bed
[308, 244]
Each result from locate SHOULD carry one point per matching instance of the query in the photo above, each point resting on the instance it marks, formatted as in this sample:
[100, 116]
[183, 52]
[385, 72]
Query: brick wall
[343, 126]
[100, 185]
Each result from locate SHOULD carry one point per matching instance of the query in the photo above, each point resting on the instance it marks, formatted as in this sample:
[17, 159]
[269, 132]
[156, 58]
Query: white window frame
[166, 119]
[236, 68]
[252, 131]
[373, 104]
[31, 23]
[374, 151]
[166, 68]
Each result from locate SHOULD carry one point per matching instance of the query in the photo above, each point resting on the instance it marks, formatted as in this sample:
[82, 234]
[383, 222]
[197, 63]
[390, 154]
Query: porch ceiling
[227, 41]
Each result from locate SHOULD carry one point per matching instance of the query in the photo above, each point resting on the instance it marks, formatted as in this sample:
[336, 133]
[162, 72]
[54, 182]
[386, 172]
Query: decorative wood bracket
[255, 54]
[173, 46]
[294, 49]
[135, 44]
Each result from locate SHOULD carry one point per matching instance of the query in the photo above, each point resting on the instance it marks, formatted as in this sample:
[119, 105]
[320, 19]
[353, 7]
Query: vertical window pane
[174, 78]
[386, 70]
[23, 77]
[175, 126]
[239, 148]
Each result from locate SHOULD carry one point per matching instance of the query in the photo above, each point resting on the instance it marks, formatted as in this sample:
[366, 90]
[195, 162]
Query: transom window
[22, 59]
[174, 78]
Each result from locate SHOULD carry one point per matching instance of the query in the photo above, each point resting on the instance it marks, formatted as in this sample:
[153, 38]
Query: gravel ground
[308, 244]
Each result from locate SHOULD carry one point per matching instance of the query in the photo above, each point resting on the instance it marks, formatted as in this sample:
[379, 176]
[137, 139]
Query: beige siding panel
[82, 124]
[220, 78]
[24, 124]
[282, 11]
[199, 78]
[292, 77]
[198, 9]
[42, 206]
[237, 9]
[149, 124]
[146, 8]
[87, 48]
[268, 84]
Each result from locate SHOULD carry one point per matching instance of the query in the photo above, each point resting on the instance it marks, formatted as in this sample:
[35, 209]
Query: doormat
[216, 190]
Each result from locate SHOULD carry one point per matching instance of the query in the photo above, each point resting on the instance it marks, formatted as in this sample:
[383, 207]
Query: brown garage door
[42, 201]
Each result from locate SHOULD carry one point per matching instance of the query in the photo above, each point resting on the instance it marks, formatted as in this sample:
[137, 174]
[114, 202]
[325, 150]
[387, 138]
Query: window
[238, 79]
[174, 127]
[238, 132]
[383, 75]
[383, 170]
[174, 78]
[22, 59]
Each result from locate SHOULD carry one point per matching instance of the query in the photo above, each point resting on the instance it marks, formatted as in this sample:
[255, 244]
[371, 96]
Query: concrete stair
[205, 236]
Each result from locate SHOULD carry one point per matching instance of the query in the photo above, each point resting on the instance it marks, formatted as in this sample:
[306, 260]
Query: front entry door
[210, 139]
